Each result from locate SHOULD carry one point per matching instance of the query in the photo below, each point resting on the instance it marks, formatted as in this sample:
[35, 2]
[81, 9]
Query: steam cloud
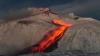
[15, 14]
[76, 6]
[85, 8]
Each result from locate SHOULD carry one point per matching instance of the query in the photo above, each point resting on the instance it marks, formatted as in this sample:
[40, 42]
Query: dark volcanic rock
[17, 36]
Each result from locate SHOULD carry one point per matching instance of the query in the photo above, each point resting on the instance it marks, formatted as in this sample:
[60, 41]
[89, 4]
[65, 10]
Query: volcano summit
[19, 36]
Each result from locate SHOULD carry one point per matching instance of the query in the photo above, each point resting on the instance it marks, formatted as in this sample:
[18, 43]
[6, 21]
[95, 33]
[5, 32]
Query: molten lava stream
[51, 38]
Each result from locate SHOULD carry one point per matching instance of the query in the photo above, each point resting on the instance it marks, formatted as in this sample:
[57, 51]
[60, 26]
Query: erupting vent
[51, 37]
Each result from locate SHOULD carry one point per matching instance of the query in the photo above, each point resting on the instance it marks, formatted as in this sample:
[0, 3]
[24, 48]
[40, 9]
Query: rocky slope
[63, 53]
[18, 35]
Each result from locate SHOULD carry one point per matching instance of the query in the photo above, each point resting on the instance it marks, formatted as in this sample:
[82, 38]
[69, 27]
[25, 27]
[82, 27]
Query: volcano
[51, 38]
[43, 28]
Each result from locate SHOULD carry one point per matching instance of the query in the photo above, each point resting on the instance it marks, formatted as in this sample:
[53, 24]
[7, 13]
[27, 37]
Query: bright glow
[52, 37]
[61, 23]
[41, 9]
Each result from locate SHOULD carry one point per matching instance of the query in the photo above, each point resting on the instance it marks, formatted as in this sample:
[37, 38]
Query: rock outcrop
[19, 35]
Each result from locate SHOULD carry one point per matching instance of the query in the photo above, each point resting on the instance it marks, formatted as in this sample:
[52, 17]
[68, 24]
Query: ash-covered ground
[17, 36]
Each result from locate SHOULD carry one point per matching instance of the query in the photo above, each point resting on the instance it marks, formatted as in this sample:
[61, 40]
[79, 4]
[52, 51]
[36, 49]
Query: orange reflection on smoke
[51, 38]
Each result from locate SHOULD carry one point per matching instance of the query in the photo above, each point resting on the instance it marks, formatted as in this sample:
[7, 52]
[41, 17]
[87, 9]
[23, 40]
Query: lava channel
[51, 38]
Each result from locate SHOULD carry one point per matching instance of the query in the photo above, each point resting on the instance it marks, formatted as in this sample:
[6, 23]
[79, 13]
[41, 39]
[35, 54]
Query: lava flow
[51, 38]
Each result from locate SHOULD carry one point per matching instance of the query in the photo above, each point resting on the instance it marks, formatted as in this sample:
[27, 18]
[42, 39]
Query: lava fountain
[51, 37]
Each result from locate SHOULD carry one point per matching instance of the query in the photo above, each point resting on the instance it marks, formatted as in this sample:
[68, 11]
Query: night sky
[83, 8]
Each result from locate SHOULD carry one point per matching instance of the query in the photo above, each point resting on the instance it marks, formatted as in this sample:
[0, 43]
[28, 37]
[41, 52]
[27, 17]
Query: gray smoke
[16, 14]
[85, 8]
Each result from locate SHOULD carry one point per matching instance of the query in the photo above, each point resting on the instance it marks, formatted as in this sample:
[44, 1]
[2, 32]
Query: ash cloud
[15, 14]
[88, 8]
[84, 8]
[18, 10]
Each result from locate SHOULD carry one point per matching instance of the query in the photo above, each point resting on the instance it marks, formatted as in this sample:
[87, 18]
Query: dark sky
[18, 4]
[84, 8]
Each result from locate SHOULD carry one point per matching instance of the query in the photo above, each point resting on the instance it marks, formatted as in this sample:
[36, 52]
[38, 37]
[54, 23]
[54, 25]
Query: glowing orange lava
[51, 38]
[41, 9]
